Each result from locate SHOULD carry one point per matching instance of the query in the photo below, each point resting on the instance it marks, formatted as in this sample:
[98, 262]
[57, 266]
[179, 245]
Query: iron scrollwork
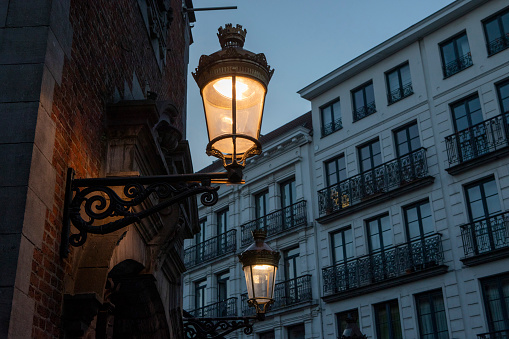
[215, 328]
[93, 206]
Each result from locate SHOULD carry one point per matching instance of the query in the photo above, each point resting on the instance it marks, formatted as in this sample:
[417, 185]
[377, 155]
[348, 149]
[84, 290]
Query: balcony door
[221, 228]
[261, 209]
[200, 296]
[407, 141]
[471, 134]
[496, 299]
[288, 198]
[223, 293]
[370, 157]
[200, 253]
[379, 240]
[342, 245]
[291, 268]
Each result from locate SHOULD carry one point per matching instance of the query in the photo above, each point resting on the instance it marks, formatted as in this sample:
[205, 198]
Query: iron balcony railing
[276, 222]
[400, 93]
[482, 138]
[504, 334]
[486, 235]
[210, 249]
[364, 111]
[286, 293]
[332, 127]
[224, 308]
[458, 65]
[498, 44]
[397, 261]
[381, 179]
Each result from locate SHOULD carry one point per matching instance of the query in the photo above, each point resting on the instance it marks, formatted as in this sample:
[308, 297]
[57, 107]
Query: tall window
[335, 170]
[342, 245]
[467, 113]
[496, 30]
[407, 139]
[431, 315]
[223, 292]
[200, 237]
[291, 258]
[455, 55]
[222, 221]
[370, 155]
[399, 84]
[503, 96]
[261, 209]
[341, 320]
[288, 198]
[200, 296]
[331, 117]
[363, 101]
[388, 325]
[482, 199]
[418, 220]
[296, 332]
[496, 298]
[380, 233]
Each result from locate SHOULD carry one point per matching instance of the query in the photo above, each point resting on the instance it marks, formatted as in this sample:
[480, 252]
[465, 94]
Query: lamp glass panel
[260, 281]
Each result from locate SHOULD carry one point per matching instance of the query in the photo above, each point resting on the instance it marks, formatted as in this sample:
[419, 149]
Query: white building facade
[405, 180]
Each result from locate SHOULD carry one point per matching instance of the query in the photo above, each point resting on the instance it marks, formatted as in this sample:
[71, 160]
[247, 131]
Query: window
[363, 101]
[455, 55]
[342, 245]
[341, 320]
[431, 315]
[407, 139]
[496, 30]
[379, 232]
[331, 118]
[222, 221]
[267, 335]
[335, 170]
[223, 292]
[261, 209]
[503, 96]
[495, 292]
[399, 84]
[287, 200]
[482, 199]
[370, 155]
[291, 258]
[418, 220]
[200, 296]
[466, 113]
[200, 237]
[297, 332]
[388, 324]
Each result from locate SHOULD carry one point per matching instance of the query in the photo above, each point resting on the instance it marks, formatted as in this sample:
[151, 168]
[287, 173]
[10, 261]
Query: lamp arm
[215, 328]
[90, 202]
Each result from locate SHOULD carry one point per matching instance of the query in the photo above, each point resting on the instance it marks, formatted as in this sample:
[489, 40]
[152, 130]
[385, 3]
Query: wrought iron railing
[224, 308]
[400, 260]
[364, 111]
[504, 334]
[400, 93]
[276, 222]
[381, 179]
[498, 44]
[486, 235]
[332, 127]
[210, 249]
[286, 293]
[482, 138]
[458, 65]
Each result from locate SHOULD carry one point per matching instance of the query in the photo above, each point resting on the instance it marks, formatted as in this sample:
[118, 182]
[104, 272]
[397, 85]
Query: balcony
[225, 308]
[390, 179]
[211, 249]
[486, 239]
[332, 127]
[364, 111]
[474, 146]
[498, 45]
[276, 222]
[287, 293]
[395, 266]
[504, 334]
[400, 93]
[457, 65]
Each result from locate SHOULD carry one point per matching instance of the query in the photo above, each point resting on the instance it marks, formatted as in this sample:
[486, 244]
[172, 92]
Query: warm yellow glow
[224, 87]
[262, 267]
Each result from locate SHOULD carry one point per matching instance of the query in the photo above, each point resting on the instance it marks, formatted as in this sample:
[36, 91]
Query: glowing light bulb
[262, 267]
[224, 87]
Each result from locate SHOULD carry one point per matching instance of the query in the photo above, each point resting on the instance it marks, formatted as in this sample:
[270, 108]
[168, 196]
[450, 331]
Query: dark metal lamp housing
[233, 84]
[260, 263]
[352, 331]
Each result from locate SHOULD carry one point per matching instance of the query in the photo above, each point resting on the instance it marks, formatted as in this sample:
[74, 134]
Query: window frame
[401, 87]
[489, 317]
[429, 295]
[496, 16]
[335, 120]
[366, 105]
[464, 102]
[378, 218]
[341, 231]
[387, 305]
[480, 182]
[406, 127]
[203, 294]
[200, 237]
[337, 175]
[498, 85]
[454, 39]
[287, 258]
[370, 144]
[222, 216]
[419, 218]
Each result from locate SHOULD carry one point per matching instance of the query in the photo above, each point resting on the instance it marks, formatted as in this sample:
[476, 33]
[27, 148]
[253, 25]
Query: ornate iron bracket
[215, 328]
[93, 206]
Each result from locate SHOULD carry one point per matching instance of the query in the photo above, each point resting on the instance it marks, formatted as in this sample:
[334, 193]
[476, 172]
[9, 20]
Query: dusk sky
[303, 40]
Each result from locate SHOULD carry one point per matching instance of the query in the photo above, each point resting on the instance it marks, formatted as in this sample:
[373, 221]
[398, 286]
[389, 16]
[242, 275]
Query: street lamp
[233, 83]
[260, 263]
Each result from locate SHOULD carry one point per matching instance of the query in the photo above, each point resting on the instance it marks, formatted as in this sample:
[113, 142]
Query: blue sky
[303, 40]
